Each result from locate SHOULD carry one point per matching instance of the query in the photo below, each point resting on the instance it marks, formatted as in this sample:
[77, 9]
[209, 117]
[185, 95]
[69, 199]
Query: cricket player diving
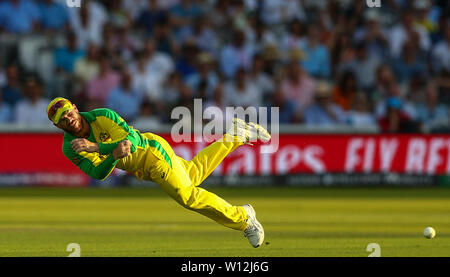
[100, 140]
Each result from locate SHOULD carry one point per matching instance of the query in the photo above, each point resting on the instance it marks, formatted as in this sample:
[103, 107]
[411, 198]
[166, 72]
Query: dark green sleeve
[118, 129]
[100, 170]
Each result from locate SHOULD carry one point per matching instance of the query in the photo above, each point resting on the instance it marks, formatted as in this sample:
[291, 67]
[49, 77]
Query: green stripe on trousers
[158, 146]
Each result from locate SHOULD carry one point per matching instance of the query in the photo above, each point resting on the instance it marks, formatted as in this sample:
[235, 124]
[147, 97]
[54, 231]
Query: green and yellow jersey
[108, 129]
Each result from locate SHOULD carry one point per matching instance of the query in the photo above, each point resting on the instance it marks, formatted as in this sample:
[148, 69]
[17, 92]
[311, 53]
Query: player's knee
[188, 198]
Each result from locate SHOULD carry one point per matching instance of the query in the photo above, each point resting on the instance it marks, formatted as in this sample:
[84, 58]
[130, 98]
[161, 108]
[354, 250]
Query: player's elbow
[99, 175]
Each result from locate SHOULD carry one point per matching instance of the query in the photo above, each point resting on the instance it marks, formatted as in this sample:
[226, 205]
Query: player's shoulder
[102, 112]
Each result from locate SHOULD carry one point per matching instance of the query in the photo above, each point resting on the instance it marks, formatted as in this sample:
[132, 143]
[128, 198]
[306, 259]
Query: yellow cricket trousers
[181, 179]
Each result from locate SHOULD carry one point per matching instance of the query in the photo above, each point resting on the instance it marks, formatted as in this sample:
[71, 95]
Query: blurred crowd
[335, 62]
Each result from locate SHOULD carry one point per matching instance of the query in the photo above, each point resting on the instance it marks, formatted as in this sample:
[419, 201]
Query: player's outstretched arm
[98, 168]
[95, 165]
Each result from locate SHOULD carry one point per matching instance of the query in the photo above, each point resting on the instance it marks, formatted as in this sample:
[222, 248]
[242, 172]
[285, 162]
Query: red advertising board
[38, 157]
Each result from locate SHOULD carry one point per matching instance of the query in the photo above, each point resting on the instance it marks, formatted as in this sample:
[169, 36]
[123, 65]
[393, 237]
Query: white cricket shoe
[254, 232]
[251, 132]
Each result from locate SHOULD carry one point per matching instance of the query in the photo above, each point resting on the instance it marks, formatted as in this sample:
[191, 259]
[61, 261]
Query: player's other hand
[81, 144]
[122, 150]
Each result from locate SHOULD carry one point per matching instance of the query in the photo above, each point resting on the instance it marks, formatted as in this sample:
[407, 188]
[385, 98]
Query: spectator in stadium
[124, 99]
[342, 51]
[218, 99]
[236, 55]
[31, 110]
[19, 16]
[204, 73]
[358, 39]
[217, 102]
[286, 106]
[2, 75]
[87, 22]
[385, 80]
[110, 46]
[239, 20]
[415, 90]
[364, 66]
[276, 12]
[157, 63]
[432, 114]
[66, 57]
[147, 119]
[5, 111]
[324, 111]
[126, 44]
[87, 67]
[117, 16]
[424, 17]
[12, 92]
[148, 84]
[240, 92]
[184, 12]
[294, 37]
[325, 24]
[171, 92]
[186, 61]
[411, 63]
[373, 34]
[259, 78]
[201, 34]
[439, 34]
[201, 92]
[167, 4]
[396, 120]
[220, 18]
[345, 91]
[149, 17]
[100, 87]
[359, 115]
[393, 91]
[134, 8]
[441, 52]
[184, 99]
[296, 84]
[273, 62]
[260, 35]
[316, 59]
[164, 39]
[54, 16]
[407, 30]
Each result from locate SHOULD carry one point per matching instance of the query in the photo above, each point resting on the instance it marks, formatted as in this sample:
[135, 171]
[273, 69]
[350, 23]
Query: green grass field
[298, 222]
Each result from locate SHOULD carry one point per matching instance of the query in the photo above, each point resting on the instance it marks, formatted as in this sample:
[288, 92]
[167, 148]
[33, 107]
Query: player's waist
[153, 148]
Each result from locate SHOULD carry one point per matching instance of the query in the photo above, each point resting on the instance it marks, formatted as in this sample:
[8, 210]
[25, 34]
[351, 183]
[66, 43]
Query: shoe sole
[253, 214]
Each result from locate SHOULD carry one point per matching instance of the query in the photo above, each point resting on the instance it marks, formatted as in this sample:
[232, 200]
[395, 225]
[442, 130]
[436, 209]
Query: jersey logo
[104, 136]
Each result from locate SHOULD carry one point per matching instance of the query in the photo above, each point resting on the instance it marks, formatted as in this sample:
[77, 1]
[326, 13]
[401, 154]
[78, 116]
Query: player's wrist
[93, 147]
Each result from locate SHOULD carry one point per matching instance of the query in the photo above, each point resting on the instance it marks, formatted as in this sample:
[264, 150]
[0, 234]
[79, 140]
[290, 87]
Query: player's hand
[80, 145]
[122, 150]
